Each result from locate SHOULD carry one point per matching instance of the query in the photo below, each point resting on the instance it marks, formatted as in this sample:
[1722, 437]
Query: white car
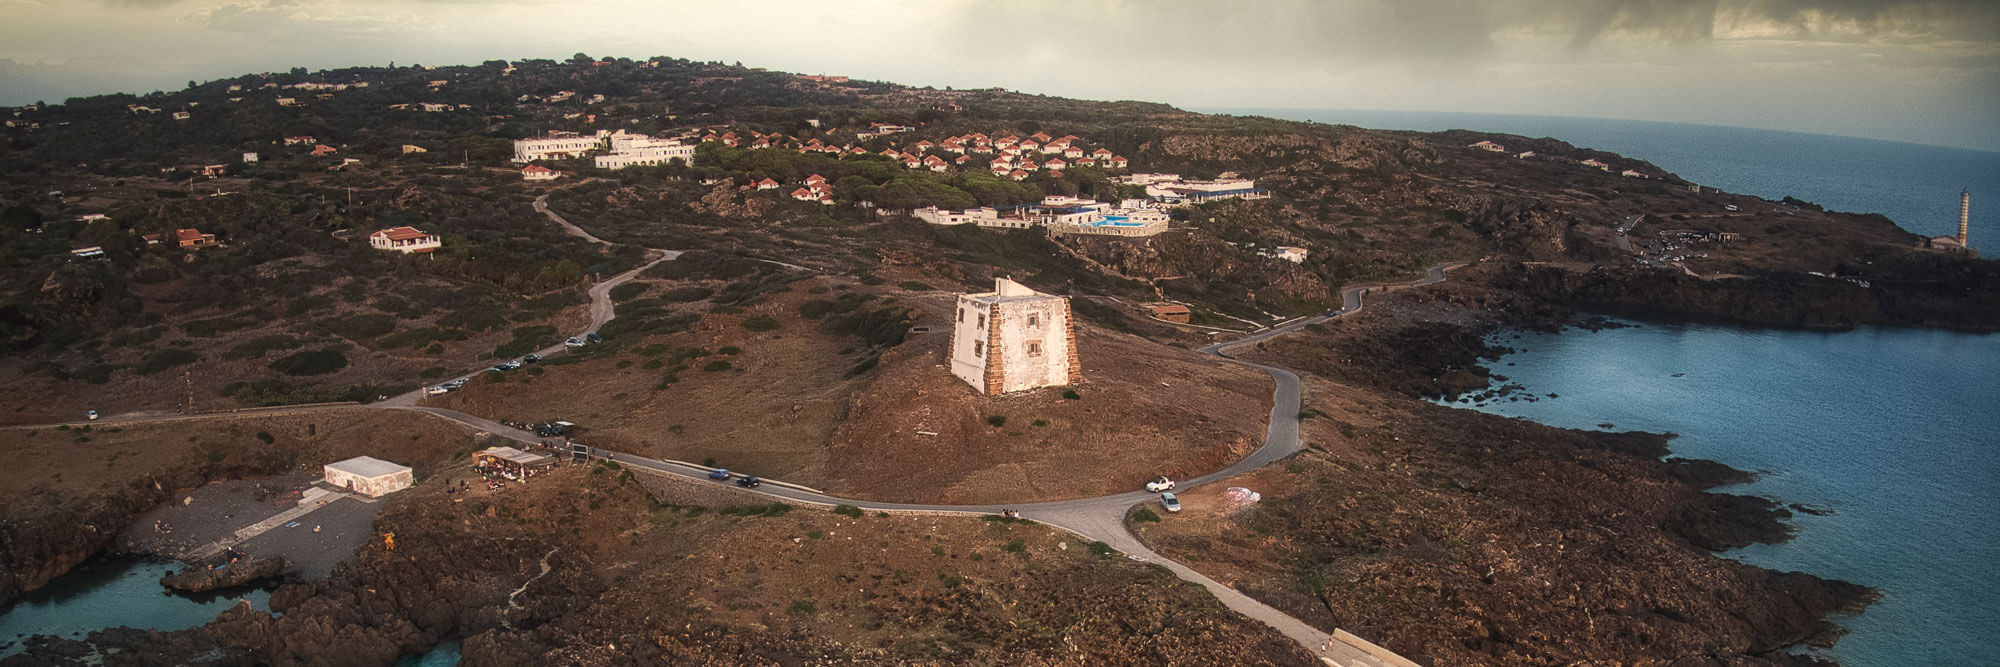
[91, 414]
[574, 342]
[1168, 501]
[1160, 483]
[439, 389]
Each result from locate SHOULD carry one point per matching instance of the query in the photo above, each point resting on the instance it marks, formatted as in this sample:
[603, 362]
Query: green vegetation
[717, 365]
[259, 346]
[996, 421]
[1102, 549]
[1144, 515]
[1070, 394]
[165, 359]
[1016, 546]
[847, 510]
[802, 608]
[312, 362]
[760, 323]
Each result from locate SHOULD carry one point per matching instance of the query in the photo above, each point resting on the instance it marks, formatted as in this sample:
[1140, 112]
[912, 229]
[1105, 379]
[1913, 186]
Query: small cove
[109, 592]
[1894, 430]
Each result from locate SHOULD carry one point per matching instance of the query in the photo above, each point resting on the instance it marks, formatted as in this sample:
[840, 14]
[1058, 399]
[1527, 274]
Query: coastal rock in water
[204, 577]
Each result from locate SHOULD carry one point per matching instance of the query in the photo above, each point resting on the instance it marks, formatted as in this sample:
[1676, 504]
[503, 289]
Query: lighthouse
[1964, 214]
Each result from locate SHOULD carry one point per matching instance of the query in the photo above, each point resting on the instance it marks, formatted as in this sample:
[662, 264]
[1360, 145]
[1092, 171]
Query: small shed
[369, 476]
[509, 458]
[1171, 312]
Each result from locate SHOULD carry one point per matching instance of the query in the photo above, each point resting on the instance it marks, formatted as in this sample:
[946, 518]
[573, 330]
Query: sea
[1891, 432]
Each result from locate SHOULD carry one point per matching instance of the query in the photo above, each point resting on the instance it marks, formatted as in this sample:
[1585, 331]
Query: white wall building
[554, 148]
[1013, 339]
[368, 476]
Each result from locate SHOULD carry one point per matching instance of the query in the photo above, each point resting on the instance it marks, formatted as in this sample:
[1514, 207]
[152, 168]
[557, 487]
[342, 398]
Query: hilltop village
[602, 360]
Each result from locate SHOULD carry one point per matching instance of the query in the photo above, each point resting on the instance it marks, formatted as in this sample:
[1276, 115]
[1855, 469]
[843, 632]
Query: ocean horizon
[1915, 185]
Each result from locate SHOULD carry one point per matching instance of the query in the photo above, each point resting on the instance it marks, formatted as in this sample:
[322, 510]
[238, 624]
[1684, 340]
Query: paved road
[1101, 518]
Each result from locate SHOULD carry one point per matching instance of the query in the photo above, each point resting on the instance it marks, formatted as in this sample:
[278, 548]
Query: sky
[1924, 71]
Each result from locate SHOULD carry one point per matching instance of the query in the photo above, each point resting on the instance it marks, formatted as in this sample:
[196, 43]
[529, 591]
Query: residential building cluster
[1061, 215]
[816, 189]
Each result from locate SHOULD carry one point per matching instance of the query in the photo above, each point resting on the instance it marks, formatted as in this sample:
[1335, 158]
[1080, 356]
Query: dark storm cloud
[1693, 20]
[1445, 30]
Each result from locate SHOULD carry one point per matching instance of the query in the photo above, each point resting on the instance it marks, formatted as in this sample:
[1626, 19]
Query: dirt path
[1101, 518]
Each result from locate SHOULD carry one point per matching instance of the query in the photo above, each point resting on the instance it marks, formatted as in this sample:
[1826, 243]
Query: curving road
[1101, 518]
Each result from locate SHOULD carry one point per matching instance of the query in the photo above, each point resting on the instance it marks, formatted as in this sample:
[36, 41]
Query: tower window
[1034, 349]
[978, 348]
[961, 314]
[1034, 320]
[982, 320]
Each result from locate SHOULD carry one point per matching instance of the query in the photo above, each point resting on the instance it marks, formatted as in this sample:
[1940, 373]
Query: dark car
[532, 358]
[718, 474]
[593, 338]
[748, 481]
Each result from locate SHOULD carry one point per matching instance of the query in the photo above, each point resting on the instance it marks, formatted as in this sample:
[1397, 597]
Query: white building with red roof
[405, 240]
[536, 172]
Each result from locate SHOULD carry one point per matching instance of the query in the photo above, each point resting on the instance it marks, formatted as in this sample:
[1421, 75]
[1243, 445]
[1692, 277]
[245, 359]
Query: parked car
[456, 383]
[439, 389]
[718, 474]
[508, 365]
[1170, 502]
[90, 414]
[1160, 483]
[593, 338]
[1731, 207]
[575, 342]
[748, 481]
[532, 358]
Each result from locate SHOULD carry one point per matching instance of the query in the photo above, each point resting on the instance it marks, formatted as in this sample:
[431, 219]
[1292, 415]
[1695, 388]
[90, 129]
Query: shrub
[1016, 546]
[1070, 394]
[312, 362]
[1101, 549]
[847, 510]
[1144, 515]
[996, 421]
[266, 437]
[628, 291]
[1041, 422]
[686, 294]
[717, 365]
[259, 346]
[730, 350]
[165, 359]
[915, 286]
[760, 323]
[802, 608]
[361, 327]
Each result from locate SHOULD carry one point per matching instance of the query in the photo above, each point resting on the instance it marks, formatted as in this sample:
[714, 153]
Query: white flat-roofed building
[554, 148]
[936, 216]
[368, 476]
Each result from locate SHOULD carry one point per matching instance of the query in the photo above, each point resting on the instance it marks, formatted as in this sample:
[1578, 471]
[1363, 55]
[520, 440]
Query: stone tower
[1964, 215]
[1013, 339]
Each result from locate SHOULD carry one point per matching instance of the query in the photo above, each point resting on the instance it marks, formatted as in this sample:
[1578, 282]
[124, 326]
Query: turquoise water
[1892, 429]
[444, 655]
[109, 593]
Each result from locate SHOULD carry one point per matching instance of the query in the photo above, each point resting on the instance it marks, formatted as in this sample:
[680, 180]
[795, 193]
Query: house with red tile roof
[405, 240]
[324, 149]
[1018, 175]
[803, 194]
[536, 172]
[1055, 164]
[193, 238]
[767, 184]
